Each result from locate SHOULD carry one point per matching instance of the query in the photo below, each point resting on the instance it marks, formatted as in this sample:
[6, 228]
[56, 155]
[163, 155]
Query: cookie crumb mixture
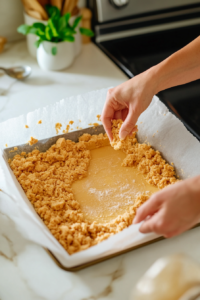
[32, 141]
[148, 161]
[47, 180]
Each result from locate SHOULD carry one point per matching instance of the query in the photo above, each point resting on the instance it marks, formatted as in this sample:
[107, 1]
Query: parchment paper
[156, 126]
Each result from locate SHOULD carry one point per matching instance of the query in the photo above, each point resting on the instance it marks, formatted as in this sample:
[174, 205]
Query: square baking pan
[44, 145]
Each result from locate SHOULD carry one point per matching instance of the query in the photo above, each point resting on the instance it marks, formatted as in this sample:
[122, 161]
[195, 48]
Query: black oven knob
[119, 3]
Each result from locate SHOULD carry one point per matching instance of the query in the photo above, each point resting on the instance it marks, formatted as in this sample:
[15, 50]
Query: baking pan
[44, 145]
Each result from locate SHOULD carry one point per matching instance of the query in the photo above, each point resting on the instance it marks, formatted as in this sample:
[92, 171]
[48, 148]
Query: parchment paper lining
[156, 126]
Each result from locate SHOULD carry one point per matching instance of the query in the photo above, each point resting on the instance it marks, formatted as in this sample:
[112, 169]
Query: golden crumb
[117, 143]
[32, 141]
[67, 129]
[148, 161]
[79, 120]
[94, 124]
[39, 122]
[71, 122]
[15, 149]
[6, 145]
[58, 127]
[26, 126]
[78, 128]
[99, 118]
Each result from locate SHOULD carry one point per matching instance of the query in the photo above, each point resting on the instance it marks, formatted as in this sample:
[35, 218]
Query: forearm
[181, 67]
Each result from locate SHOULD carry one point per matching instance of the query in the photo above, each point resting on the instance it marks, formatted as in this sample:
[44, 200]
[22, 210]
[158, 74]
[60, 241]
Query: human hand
[172, 210]
[127, 101]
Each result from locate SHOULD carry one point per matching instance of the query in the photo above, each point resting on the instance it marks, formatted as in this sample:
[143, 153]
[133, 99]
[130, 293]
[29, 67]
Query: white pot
[63, 58]
[31, 38]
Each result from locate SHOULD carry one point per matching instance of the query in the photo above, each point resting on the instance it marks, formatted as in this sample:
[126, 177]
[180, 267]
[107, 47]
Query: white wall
[11, 16]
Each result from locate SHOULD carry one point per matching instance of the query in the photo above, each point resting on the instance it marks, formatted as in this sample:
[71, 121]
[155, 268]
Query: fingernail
[122, 135]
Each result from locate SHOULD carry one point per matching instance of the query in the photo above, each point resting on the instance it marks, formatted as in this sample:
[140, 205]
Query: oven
[138, 34]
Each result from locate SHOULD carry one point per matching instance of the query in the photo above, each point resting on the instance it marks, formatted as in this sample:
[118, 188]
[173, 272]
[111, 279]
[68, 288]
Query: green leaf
[54, 50]
[39, 26]
[38, 42]
[23, 29]
[48, 33]
[52, 24]
[86, 32]
[53, 11]
[33, 30]
[76, 22]
[63, 21]
[69, 38]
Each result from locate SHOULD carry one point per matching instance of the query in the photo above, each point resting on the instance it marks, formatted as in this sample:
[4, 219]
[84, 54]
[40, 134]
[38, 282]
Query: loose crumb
[32, 141]
[99, 118]
[6, 145]
[40, 122]
[71, 122]
[26, 126]
[94, 124]
[15, 149]
[58, 127]
[79, 120]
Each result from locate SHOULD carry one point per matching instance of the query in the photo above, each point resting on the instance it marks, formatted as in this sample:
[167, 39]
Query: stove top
[138, 53]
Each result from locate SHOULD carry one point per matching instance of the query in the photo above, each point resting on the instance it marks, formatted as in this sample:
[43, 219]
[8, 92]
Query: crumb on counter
[79, 120]
[26, 126]
[58, 127]
[39, 122]
[32, 141]
[6, 145]
[71, 122]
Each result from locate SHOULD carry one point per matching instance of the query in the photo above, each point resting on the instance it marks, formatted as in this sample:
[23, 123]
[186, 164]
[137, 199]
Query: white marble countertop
[26, 270]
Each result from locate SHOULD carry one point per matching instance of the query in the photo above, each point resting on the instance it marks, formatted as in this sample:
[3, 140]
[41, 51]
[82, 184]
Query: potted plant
[55, 47]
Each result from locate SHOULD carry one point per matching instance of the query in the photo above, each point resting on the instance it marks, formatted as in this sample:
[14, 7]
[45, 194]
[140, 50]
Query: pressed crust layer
[47, 180]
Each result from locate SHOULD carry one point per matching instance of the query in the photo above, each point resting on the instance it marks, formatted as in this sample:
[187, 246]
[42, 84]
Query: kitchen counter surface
[27, 271]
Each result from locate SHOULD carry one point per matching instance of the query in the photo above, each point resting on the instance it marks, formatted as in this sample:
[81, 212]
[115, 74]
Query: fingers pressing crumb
[40, 122]
[148, 161]
[26, 126]
[32, 141]
[58, 127]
